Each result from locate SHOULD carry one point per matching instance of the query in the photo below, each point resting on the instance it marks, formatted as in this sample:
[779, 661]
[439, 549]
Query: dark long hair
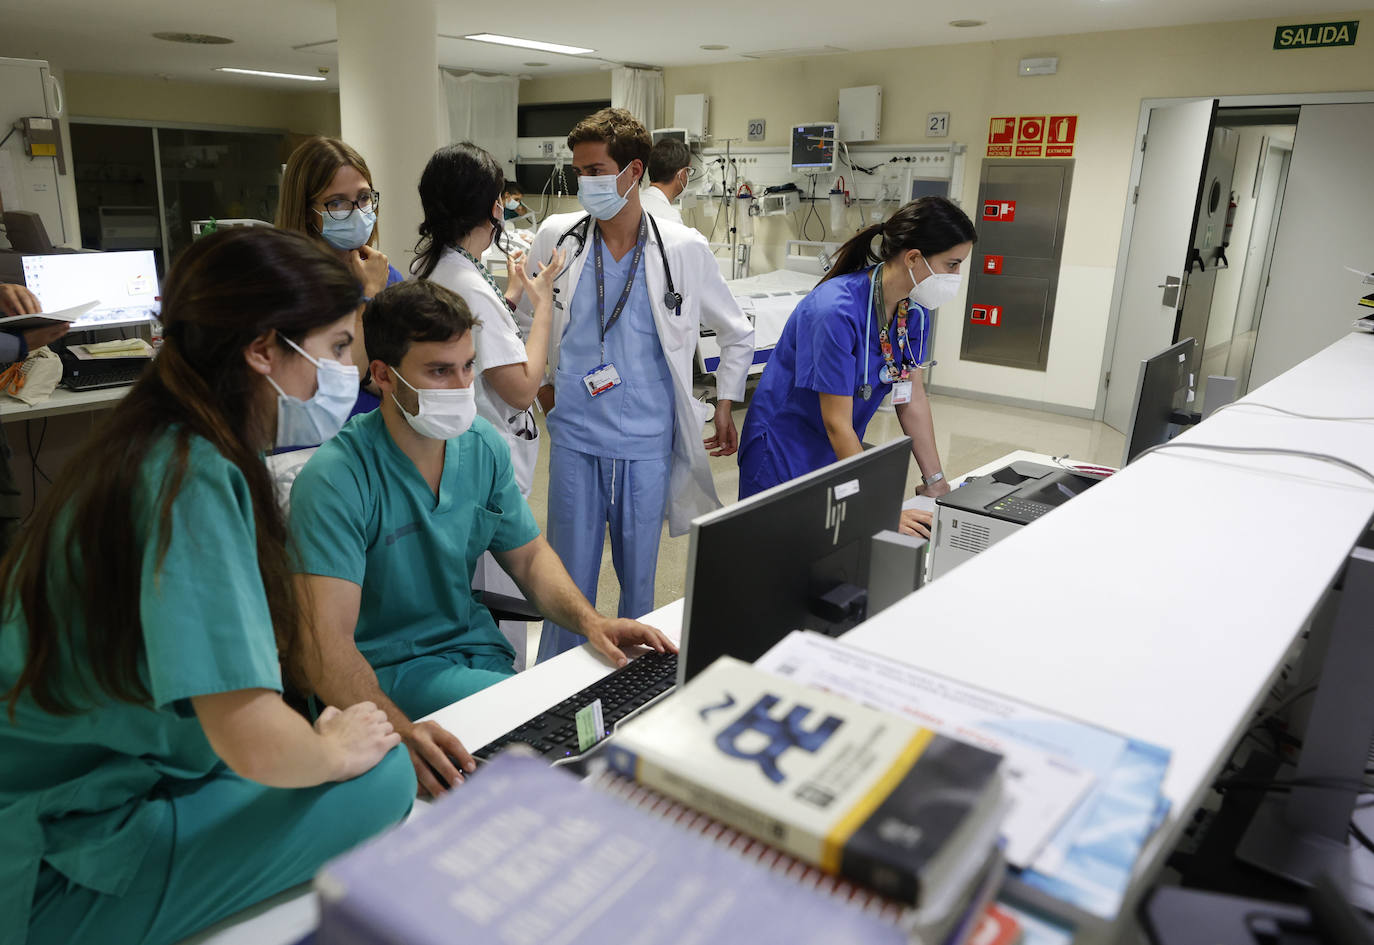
[930, 224]
[460, 184]
[226, 290]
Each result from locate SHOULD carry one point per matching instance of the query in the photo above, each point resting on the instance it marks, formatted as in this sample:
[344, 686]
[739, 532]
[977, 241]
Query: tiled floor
[970, 433]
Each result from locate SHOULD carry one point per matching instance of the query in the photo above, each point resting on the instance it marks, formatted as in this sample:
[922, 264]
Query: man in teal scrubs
[388, 521]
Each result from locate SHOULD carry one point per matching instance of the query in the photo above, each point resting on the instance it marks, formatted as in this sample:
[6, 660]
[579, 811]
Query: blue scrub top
[361, 512]
[822, 350]
[635, 419]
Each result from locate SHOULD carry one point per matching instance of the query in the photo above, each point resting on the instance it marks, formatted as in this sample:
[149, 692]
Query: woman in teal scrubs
[152, 779]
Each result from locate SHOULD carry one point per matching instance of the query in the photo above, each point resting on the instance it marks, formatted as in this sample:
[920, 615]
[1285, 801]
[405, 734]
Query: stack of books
[1084, 800]
[745, 808]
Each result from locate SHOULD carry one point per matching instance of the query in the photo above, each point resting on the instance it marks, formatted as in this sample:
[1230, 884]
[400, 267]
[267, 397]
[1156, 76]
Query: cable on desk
[1261, 450]
[1292, 413]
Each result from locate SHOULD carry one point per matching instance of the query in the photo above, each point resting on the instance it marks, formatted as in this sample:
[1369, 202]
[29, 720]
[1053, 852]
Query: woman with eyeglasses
[461, 193]
[326, 193]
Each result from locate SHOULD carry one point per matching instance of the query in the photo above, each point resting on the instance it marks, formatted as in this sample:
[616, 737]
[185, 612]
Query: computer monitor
[124, 282]
[1161, 397]
[795, 556]
[658, 134]
[927, 187]
[813, 147]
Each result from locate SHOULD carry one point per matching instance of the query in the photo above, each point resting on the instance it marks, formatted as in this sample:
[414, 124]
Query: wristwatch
[931, 480]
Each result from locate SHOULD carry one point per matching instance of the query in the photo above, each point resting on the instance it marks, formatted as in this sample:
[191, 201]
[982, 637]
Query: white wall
[1103, 78]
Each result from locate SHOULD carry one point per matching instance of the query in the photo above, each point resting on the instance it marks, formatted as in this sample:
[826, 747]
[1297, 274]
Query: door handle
[1171, 286]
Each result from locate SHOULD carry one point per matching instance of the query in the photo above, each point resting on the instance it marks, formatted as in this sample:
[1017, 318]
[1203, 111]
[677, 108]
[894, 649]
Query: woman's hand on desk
[359, 737]
[608, 635]
[915, 522]
[433, 751]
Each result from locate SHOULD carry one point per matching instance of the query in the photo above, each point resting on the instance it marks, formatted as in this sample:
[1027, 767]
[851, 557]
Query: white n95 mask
[600, 195]
[936, 290]
[311, 422]
[444, 413]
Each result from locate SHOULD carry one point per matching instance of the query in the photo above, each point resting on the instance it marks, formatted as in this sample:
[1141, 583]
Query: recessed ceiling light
[527, 44]
[272, 75]
[198, 39]
[966, 24]
[714, 47]
[536, 65]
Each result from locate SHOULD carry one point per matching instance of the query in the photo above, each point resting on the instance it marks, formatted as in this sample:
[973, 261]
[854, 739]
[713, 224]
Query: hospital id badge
[901, 392]
[601, 379]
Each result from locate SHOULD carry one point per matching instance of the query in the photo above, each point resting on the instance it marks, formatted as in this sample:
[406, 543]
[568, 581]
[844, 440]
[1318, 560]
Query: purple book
[526, 854]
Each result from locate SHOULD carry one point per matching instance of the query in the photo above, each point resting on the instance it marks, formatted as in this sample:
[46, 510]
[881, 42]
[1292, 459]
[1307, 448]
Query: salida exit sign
[1315, 35]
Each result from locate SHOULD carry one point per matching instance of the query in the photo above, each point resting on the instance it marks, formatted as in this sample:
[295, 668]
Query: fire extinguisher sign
[1032, 136]
[1000, 211]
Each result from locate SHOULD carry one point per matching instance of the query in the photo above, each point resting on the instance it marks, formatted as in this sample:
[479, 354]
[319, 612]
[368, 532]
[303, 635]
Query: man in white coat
[625, 431]
[670, 163]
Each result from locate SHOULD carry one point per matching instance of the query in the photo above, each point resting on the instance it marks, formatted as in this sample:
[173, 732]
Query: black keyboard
[553, 733]
[105, 377]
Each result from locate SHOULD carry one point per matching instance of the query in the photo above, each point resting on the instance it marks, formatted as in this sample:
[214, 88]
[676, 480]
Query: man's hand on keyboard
[433, 750]
[608, 635]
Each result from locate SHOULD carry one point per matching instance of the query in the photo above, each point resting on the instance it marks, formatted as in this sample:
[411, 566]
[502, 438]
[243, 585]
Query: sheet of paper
[1051, 762]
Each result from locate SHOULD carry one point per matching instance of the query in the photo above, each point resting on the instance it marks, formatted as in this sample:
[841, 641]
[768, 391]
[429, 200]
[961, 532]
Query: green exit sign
[1315, 35]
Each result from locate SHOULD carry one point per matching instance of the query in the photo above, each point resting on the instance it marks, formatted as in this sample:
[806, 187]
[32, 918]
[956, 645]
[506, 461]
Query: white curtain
[482, 109]
[640, 92]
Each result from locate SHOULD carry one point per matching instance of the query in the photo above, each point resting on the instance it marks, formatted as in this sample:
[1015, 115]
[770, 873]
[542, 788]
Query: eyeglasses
[341, 209]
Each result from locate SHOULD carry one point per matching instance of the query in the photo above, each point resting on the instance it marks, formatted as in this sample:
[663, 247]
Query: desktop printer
[987, 509]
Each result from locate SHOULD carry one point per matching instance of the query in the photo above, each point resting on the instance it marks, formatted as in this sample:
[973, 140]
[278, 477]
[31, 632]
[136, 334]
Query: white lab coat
[706, 300]
[656, 202]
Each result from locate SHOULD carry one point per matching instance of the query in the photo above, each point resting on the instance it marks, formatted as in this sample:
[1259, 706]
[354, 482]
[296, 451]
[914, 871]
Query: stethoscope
[582, 229]
[866, 390]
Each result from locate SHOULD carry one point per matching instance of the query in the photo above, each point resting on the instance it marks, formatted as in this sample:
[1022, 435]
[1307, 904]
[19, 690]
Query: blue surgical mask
[600, 195]
[311, 422]
[352, 232]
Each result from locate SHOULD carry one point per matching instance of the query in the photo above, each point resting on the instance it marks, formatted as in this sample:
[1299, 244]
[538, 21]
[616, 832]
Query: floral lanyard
[490, 281]
[891, 372]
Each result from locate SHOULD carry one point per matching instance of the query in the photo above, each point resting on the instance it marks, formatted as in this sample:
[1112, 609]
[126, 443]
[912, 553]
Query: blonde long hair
[308, 172]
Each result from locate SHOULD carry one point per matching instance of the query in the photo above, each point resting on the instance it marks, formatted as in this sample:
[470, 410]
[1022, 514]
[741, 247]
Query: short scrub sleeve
[828, 345]
[329, 518]
[207, 627]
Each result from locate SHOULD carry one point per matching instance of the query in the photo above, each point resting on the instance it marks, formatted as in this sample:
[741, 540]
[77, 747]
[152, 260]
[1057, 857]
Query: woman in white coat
[460, 192]
[625, 429]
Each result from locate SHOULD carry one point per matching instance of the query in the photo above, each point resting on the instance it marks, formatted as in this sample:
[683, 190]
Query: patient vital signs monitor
[124, 282]
[813, 147]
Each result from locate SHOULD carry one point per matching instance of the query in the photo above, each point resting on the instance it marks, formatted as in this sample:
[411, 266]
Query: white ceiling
[114, 35]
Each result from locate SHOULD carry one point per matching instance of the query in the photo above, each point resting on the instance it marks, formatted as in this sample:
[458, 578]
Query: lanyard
[601, 282]
[485, 274]
[893, 370]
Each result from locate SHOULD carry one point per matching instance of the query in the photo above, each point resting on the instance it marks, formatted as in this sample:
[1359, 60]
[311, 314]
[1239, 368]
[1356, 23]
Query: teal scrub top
[74, 789]
[361, 512]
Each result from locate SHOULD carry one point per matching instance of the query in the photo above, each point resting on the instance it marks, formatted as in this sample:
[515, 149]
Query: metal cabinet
[1014, 270]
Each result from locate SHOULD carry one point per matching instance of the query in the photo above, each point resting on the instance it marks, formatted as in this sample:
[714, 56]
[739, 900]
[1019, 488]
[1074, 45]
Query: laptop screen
[124, 282]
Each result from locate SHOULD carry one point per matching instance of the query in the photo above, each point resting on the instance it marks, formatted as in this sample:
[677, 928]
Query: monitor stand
[1306, 832]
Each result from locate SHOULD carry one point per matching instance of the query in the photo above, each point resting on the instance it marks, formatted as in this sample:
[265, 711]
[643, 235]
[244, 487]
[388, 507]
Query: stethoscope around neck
[866, 391]
[581, 231]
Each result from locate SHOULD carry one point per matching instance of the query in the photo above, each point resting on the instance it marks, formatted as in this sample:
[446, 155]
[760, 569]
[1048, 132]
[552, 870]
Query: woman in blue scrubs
[152, 778]
[862, 334]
